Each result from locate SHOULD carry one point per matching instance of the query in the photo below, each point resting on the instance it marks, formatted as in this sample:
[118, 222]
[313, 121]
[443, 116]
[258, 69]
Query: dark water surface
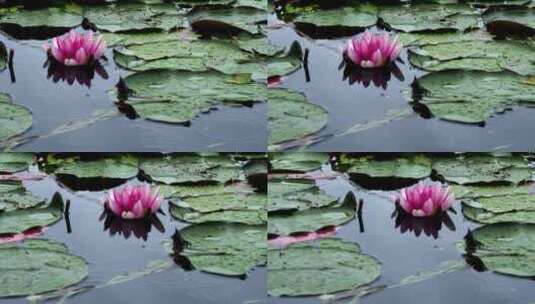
[110, 256]
[226, 129]
[405, 254]
[350, 105]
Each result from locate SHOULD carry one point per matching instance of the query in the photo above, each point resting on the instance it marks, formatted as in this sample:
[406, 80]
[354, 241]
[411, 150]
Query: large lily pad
[174, 169]
[512, 21]
[296, 195]
[120, 167]
[489, 56]
[327, 266]
[477, 95]
[45, 17]
[226, 249]
[18, 221]
[135, 17]
[38, 266]
[13, 197]
[472, 169]
[242, 19]
[427, 17]
[301, 162]
[356, 16]
[432, 38]
[415, 166]
[291, 117]
[506, 248]
[15, 162]
[178, 96]
[221, 207]
[14, 119]
[137, 38]
[308, 220]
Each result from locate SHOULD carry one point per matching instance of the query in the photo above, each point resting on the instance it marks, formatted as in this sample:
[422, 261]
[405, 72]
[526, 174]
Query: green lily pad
[13, 197]
[477, 95]
[38, 266]
[45, 17]
[175, 169]
[15, 162]
[284, 223]
[258, 4]
[472, 169]
[137, 38]
[486, 217]
[355, 16]
[14, 119]
[511, 21]
[327, 266]
[135, 17]
[300, 162]
[428, 17]
[258, 45]
[120, 167]
[507, 248]
[21, 220]
[420, 39]
[193, 190]
[242, 18]
[3, 56]
[221, 207]
[416, 166]
[489, 56]
[226, 249]
[296, 195]
[291, 117]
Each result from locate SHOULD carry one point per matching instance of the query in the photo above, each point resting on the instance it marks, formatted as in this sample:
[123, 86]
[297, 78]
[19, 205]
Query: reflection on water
[430, 226]
[139, 228]
[81, 74]
[365, 76]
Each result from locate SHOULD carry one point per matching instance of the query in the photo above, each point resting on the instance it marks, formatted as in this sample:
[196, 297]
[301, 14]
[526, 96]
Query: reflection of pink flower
[17, 237]
[284, 241]
[139, 228]
[372, 50]
[75, 48]
[424, 199]
[133, 202]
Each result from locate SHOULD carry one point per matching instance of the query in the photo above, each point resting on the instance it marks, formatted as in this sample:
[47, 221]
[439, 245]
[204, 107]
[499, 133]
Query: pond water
[97, 125]
[372, 118]
[109, 256]
[404, 254]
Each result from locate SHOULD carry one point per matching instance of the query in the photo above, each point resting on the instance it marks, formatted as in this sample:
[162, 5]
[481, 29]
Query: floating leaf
[174, 169]
[226, 249]
[416, 166]
[15, 162]
[291, 117]
[258, 45]
[296, 195]
[45, 17]
[327, 266]
[420, 39]
[139, 38]
[506, 248]
[471, 169]
[477, 95]
[356, 16]
[135, 17]
[38, 266]
[489, 56]
[178, 96]
[14, 119]
[13, 197]
[300, 162]
[258, 4]
[240, 19]
[221, 207]
[121, 167]
[428, 17]
[21, 220]
[511, 22]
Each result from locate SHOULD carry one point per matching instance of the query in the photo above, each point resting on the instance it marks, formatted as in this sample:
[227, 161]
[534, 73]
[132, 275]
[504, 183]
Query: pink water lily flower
[133, 202]
[75, 48]
[425, 199]
[370, 50]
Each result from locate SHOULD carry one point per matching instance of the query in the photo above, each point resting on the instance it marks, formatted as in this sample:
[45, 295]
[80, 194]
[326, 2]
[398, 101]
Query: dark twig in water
[359, 216]
[66, 214]
[10, 65]
[305, 65]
